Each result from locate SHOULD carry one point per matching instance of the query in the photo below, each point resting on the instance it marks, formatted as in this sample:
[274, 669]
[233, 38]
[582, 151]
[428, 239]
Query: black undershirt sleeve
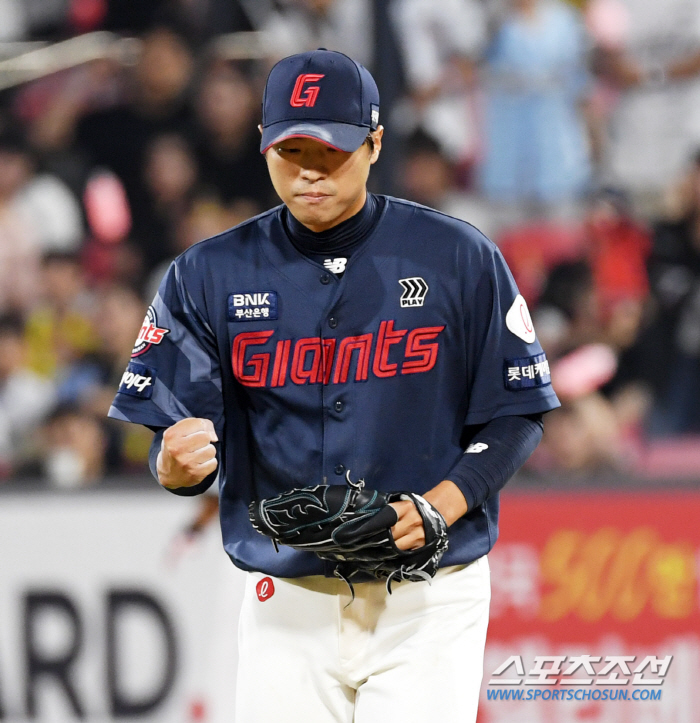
[495, 452]
[203, 486]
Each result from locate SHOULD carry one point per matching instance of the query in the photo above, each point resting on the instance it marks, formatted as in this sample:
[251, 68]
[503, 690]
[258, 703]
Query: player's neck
[340, 237]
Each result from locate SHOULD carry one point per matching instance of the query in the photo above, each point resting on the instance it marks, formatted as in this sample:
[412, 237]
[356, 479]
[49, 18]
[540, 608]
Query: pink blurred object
[608, 22]
[87, 15]
[675, 458]
[584, 370]
[107, 208]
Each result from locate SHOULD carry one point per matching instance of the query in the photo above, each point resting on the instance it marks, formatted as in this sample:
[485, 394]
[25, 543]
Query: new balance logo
[310, 93]
[414, 291]
[335, 266]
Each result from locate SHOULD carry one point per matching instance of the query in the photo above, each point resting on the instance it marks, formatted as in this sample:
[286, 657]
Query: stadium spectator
[50, 107]
[206, 216]
[536, 155]
[91, 379]
[158, 105]
[25, 398]
[583, 437]
[650, 52]
[198, 21]
[618, 247]
[170, 177]
[73, 449]
[590, 432]
[427, 176]
[227, 140]
[13, 21]
[669, 353]
[440, 45]
[60, 328]
[37, 213]
[300, 25]
[109, 121]
[568, 312]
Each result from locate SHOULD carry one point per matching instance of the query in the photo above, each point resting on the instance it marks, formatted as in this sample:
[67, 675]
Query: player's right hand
[187, 454]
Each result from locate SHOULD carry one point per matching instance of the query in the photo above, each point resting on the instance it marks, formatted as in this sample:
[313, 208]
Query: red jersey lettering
[422, 356]
[325, 361]
[363, 344]
[259, 362]
[386, 337]
[303, 371]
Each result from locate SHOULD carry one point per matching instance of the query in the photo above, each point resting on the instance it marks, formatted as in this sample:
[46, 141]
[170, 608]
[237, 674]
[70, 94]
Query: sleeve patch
[138, 380]
[519, 322]
[526, 373]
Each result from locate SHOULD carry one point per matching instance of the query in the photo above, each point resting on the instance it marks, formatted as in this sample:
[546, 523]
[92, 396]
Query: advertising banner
[595, 612]
[109, 612]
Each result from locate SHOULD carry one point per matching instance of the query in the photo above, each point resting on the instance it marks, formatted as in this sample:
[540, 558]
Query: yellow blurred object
[54, 340]
[136, 445]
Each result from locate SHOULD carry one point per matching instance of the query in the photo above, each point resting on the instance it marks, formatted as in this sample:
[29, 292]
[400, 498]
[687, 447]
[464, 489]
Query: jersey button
[332, 322]
[326, 279]
[338, 406]
[339, 469]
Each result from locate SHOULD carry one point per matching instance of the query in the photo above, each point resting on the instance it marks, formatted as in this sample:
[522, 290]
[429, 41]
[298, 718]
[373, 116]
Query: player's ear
[260, 128]
[377, 140]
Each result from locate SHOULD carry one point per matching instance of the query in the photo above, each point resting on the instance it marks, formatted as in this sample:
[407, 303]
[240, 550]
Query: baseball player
[344, 336]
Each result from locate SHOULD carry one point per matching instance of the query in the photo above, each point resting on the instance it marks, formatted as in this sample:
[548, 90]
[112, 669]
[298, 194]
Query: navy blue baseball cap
[323, 95]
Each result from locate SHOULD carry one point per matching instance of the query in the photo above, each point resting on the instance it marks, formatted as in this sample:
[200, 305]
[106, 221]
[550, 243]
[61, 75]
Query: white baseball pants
[308, 656]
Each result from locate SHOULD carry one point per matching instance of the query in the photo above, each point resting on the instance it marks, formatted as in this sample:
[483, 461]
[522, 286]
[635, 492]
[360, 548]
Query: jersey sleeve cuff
[523, 408]
[193, 491]
[466, 489]
[150, 417]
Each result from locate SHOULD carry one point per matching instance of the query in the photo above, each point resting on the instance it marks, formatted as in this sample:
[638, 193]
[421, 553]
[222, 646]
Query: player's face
[321, 186]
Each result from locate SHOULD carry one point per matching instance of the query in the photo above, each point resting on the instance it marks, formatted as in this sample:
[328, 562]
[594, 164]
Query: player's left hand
[408, 532]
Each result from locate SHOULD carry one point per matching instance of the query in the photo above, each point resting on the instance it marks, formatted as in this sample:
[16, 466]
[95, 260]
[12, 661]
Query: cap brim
[341, 136]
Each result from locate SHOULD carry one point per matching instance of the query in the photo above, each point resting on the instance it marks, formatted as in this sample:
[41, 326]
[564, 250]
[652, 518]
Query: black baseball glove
[351, 526]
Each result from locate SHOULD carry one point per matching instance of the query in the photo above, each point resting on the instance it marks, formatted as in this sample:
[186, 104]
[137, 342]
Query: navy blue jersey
[306, 375]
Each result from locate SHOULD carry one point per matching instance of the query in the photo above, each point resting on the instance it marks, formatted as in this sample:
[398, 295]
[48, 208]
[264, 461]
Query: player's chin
[314, 204]
[314, 209]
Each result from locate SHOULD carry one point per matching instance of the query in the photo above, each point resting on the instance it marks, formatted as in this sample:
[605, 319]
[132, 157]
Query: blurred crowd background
[568, 132]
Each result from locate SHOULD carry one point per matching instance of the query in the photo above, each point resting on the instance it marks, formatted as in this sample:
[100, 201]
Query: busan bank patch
[526, 373]
[252, 306]
[138, 380]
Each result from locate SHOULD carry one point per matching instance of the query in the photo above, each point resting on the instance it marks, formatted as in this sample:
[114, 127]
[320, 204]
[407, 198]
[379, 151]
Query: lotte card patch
[137, 380]
[526, 373]
[252, 306]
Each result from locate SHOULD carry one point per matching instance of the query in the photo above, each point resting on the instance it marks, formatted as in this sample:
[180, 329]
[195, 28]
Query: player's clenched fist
[187, 454]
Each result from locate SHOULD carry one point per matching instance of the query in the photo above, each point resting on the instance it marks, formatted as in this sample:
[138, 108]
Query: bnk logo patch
[138, 380]
[310, 93]
[252, 306]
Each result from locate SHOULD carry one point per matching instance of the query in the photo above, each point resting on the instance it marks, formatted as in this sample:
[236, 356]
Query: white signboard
[106, 614]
